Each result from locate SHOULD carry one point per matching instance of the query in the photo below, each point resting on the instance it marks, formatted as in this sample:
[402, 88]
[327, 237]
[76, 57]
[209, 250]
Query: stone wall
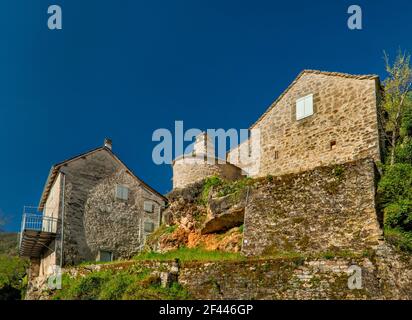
[51, 255]
[94, 218]
[189, 170]
[118, 226]
[385, 275]
[278, 279]
[328, 208]
[343, 128]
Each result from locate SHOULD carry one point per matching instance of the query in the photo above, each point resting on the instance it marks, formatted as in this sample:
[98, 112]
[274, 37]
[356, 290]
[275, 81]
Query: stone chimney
[108, 143]
[204, 146]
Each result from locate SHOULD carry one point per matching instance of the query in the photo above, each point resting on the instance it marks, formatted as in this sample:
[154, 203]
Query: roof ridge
[56, 167]
[328, 73]
[341, 74]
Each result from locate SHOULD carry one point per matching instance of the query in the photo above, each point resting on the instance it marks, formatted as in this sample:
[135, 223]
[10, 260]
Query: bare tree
[397, 87]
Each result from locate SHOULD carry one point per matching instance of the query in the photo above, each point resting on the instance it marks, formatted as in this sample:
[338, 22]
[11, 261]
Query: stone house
[322, 118]
[92, 208]
[318, 143]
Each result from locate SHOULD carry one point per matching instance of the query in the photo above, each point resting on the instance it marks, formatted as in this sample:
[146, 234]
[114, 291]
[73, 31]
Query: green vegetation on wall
[133, 284]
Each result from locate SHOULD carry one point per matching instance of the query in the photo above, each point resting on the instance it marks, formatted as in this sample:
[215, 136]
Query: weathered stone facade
[188, 170]
[342, 128]
[202, 163]
[385, 275]
[83, 197]
[325, 209]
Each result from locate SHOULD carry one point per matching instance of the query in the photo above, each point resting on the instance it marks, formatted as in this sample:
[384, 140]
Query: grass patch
[133, 284]
[190, 254]
[153, 238]
[234, 187]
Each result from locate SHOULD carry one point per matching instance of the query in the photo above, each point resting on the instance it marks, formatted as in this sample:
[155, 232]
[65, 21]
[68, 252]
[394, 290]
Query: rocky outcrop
[222, 214]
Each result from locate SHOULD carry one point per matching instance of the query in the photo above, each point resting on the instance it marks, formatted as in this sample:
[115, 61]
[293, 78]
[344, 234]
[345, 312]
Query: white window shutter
[122, 192]
[308, 105]
[300, 109]
[148, 206]
[125, 193]
[304, 107]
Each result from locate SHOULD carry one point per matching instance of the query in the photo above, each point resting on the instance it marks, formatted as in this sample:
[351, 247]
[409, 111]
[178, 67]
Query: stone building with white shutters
[322, 118]
[92, 208]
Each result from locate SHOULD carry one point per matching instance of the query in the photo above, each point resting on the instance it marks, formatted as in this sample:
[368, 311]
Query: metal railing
[39, 223]
[34, 219]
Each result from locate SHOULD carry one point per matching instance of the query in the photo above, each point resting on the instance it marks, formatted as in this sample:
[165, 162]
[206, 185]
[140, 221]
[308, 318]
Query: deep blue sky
[122, 69]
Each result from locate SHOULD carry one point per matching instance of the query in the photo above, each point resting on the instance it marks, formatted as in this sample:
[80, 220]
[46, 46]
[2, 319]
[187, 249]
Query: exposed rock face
[223, 214]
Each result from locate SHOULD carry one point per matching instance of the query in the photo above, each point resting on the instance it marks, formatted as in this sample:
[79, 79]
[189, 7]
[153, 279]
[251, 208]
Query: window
[276, 155]
[148, 226]
[105, 256]
[148, 206]
[122, 192]
[304, 107]
[332, 145]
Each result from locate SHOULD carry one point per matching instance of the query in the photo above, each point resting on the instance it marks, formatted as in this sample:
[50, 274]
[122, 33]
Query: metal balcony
[37, 231]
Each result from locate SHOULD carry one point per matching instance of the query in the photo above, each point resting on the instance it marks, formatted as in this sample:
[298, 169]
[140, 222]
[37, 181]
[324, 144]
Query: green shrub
[395, 184]
[234, 186]
[207, 186]
[403, 151]
[12, 273]
[338, 171]
[399, 214]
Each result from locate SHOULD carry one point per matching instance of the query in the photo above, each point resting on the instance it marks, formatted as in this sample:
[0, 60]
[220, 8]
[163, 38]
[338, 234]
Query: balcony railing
[37, 231]
[39, 223]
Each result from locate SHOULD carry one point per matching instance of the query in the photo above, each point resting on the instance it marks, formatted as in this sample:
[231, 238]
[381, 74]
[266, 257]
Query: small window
[304, 107]
[276, 155]
[105, 256]
[148, 206]
[332, 145]
[122, 192]
[148, 226]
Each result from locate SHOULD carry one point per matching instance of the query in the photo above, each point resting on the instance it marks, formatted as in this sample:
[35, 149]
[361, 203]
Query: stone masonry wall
[94, 218]
[385, 274]
[192, 169]
[328, 208]
[343, 128]
[115, 225]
